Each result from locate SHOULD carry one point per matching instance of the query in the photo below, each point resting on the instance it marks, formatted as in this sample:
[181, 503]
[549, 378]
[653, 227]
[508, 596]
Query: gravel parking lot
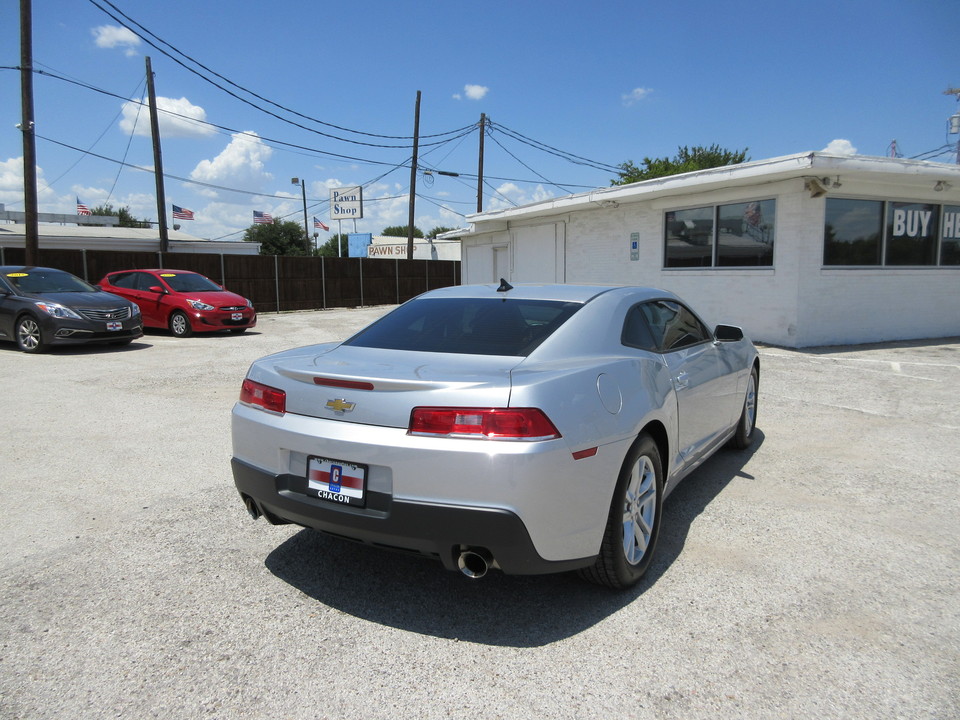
[815, 576]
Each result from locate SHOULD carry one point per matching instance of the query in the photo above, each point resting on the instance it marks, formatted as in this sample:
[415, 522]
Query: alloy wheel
[639, 510]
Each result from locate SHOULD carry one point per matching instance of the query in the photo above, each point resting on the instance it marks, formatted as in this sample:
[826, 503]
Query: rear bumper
[434, 529]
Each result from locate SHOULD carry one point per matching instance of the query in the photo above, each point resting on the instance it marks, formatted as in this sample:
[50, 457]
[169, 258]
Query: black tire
[743, 437]
[633, 525]
[180, 324]
[30, 335]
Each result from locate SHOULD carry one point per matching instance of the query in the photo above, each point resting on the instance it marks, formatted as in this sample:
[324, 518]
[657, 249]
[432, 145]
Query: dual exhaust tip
[474, 563]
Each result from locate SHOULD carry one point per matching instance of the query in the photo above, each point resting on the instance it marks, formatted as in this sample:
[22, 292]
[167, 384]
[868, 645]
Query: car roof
[155, 270]
[26, 268]
[532, 291]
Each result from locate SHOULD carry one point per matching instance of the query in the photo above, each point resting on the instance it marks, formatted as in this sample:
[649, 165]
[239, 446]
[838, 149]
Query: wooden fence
[274, 283]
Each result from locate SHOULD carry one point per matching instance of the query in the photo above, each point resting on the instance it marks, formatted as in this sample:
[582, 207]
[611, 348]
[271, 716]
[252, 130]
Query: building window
[745, 234]
[890, 233]
[737, 235]
[950, 236]
[852, 232]
[912, 233]
[689, 238]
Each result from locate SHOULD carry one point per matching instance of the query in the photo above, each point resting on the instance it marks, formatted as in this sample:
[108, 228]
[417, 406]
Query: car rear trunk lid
[381, 387]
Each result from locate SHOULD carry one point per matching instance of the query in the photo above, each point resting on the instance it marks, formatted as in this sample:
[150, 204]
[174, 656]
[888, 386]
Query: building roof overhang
[811, 165]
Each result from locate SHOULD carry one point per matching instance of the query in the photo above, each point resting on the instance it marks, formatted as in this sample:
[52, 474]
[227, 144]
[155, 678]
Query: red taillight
[263, 396]
[489, 423]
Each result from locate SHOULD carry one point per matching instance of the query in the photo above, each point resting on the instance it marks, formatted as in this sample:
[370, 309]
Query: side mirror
[728, 333]
[156, 289]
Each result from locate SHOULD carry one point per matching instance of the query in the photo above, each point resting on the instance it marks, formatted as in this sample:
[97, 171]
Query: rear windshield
[474, 326]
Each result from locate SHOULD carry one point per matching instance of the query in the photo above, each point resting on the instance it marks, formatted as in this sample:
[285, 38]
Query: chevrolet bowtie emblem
[340, 405]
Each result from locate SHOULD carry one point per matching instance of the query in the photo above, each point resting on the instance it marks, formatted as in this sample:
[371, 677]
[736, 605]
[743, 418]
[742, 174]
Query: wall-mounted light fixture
[815, 186]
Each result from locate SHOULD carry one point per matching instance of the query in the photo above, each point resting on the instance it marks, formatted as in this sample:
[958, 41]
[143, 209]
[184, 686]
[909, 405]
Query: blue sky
[604, 82]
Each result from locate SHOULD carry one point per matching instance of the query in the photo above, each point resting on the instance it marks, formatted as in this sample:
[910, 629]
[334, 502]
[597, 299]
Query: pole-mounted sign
[346, 203]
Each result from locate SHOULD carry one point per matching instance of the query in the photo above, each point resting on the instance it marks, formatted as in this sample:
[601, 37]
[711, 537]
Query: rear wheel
[180, 325]
[30, 336]
[633, 524]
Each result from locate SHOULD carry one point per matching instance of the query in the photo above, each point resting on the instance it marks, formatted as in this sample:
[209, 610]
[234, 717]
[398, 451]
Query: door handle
[681, 381]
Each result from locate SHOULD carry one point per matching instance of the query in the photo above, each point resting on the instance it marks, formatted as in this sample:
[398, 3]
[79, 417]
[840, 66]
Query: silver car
[534, 429]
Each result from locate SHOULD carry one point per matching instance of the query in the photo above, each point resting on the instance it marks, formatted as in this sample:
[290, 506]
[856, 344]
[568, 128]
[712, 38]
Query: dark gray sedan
[533, 429]
[41, 307]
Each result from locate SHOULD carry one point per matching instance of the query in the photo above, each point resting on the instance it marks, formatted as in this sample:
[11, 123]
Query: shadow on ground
[415, 594]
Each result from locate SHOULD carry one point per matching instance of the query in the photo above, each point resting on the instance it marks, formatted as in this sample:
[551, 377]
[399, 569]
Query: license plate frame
[337, 481]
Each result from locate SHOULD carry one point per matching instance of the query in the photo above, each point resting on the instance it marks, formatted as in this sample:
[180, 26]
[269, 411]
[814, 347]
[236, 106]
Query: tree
[686, 160]
[329, 248]
[283, 237]
[126, 219]
[437, 230]
[402, 231]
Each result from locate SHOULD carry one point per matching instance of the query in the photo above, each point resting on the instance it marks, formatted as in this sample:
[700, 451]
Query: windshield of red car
[474, 326]
[190, 282]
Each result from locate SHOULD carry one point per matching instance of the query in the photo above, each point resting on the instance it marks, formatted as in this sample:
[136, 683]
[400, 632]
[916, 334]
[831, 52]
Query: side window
[636, 332]
[145, 281]
[673, 325]
[126, 280]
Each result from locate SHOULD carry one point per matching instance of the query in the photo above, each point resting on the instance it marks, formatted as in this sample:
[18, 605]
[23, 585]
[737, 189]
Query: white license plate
[337, 481]
[236, 316]
[114, 326]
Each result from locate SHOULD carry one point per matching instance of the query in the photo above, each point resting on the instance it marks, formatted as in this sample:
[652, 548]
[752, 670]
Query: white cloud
[11, 187]
[840, 147]
[113, 36]
[241, 164]
[635, 96]
[474, 92]
[510, 195]
[177, 118]
[11, 179]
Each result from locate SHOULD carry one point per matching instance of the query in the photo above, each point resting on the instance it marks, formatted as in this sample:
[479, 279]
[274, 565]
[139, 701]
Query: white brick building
[802, 250]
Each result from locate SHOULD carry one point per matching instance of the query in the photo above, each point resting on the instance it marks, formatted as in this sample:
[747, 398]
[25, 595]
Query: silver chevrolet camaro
[534, 429]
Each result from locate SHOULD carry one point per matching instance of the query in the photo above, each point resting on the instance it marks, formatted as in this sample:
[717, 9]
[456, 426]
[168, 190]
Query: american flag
[262, 217]
[180, 213]
[82, 209]
[318, 224]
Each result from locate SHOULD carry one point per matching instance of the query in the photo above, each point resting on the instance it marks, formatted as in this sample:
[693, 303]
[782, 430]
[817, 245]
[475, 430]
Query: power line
[550, 182]
[570, 157]
[294, 147]
[154, 45]
[464, 131]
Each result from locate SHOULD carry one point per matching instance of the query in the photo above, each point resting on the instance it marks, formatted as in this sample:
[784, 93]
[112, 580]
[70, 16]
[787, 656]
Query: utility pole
[157, 162]
[413, 177]
[483, 131]
[955, 118]
[31, 229]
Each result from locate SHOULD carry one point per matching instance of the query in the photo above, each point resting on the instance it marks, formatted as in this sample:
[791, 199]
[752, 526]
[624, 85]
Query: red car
[184, 302]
